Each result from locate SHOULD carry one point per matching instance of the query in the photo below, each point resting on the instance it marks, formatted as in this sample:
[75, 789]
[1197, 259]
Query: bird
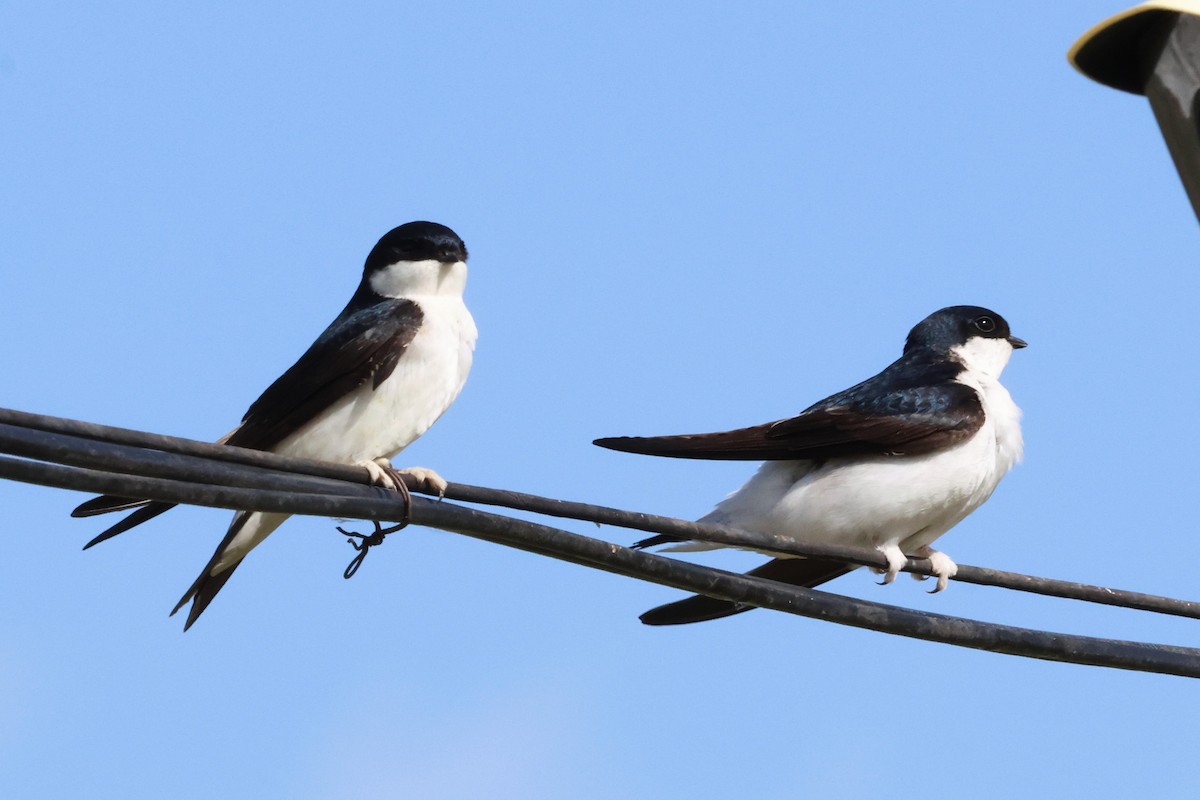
[891, 463]
[386, 368]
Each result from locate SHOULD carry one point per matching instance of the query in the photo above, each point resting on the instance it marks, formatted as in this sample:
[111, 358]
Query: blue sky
[682, 217]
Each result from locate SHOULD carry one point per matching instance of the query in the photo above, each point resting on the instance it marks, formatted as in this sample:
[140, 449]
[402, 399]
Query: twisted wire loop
[365, 542]
[368, 540]
[86, 457]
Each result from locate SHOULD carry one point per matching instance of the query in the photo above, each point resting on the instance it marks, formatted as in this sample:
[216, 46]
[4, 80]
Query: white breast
[375, 422]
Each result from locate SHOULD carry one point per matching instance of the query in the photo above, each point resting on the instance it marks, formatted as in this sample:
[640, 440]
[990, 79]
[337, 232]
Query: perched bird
[891, 464]
[384, 370]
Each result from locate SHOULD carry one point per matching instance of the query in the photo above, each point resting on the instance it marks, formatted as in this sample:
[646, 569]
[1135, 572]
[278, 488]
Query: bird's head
[417, 258]
[978, 337]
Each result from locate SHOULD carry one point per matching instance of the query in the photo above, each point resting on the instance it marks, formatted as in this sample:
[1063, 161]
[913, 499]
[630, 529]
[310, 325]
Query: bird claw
[942, 565]
[384, 474]
[427, 479]
[896, 562]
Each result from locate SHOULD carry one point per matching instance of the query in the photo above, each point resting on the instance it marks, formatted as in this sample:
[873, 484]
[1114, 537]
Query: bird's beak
[1016, 343]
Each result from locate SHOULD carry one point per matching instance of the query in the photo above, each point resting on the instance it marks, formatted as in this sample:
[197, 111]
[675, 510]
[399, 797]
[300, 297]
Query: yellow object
[1108, 52]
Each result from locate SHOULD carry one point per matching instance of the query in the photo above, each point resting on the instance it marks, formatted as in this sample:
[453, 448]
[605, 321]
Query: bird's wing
[356, 348]
[883, 416]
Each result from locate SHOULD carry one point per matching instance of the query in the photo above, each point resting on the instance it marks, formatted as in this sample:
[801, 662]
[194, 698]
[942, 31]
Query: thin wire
[365, 541]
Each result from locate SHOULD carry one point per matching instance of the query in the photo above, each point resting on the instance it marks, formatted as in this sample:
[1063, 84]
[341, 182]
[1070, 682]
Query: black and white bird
[379, 376]
[891, 464]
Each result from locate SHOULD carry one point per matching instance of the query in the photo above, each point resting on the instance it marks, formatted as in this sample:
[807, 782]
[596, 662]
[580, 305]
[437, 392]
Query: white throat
[985, 356]
[420, 278]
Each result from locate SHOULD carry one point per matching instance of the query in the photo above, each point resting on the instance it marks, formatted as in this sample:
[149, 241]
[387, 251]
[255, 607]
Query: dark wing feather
[108, 503]
[908, 409]
[105, 504]
[655, 541]
[807, 572]
[144, 513]
[357, 347]
[744, 444]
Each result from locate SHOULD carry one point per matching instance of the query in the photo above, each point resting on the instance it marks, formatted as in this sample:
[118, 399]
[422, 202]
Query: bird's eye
[985, 324]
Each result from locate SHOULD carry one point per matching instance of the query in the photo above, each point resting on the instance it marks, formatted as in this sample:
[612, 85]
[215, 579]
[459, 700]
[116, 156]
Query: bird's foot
[896, 561]
[427, 479]
[384, 474]
[942, 565]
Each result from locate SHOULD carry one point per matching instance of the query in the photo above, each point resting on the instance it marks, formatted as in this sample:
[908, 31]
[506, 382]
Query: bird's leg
[941, 564]
[896, 561]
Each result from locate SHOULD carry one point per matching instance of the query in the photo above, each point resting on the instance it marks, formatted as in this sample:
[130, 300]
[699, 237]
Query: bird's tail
[203, 590]
[208, 583]
[246, 531]
[806, 572]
